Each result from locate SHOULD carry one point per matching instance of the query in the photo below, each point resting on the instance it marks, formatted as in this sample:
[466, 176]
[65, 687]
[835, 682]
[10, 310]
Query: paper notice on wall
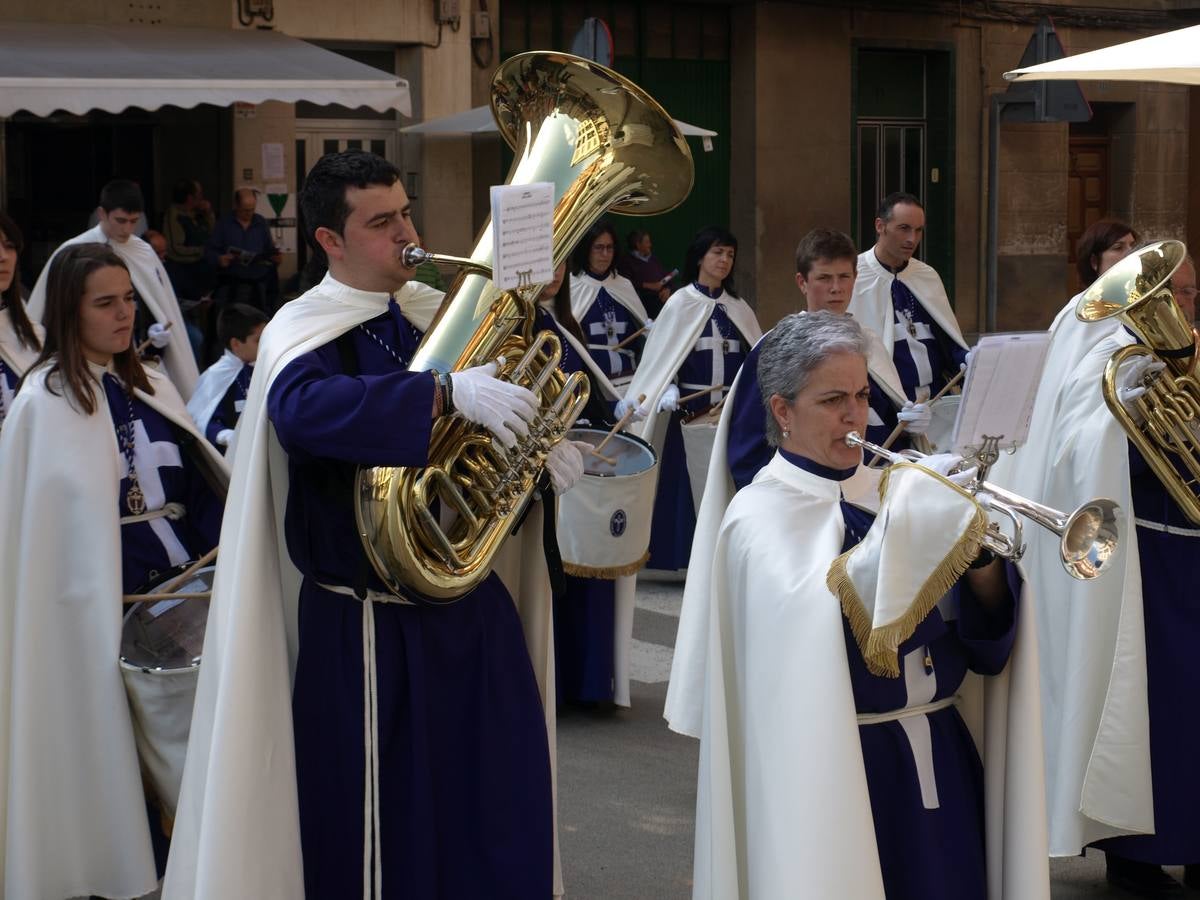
[522, 234]
[273, 166]
[1001, 387]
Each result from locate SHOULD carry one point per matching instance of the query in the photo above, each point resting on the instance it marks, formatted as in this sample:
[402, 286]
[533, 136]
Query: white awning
[76, 68]
[1173, 57]
[479, 121]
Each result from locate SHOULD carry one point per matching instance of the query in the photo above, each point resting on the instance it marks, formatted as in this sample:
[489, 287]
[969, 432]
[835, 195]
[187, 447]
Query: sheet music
[522, 234]
[1002, 383]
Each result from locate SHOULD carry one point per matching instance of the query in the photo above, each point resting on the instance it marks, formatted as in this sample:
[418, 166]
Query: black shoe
[1191, 876]
[1140, 879]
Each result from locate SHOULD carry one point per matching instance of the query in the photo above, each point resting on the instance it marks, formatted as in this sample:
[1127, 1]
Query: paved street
[627, 786]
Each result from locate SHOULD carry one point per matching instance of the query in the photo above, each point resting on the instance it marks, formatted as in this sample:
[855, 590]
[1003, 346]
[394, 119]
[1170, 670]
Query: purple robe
[934, 359]
[1172, 617]
[464, 762]
[168, 475]
[229, 410]
[643, 271]
[929, 853]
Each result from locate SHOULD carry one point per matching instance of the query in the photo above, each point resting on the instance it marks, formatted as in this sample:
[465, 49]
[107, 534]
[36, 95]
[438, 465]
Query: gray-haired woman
[815, 770]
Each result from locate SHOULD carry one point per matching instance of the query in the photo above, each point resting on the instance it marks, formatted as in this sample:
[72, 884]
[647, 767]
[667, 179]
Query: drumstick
[630, 339]
[701, 393]
[621, 423]
[603, 458]
[891, 438]
[165, 592]
[144, 345]
[138, 598]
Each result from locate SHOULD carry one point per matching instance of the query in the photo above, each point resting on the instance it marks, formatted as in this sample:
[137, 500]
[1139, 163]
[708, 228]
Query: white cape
[71, 798]
[685, 691]
[768, 781]
[585, 289]
[872, 300]
[1092, 633]
[237, 833]
[153, 288]
[16, 355]
[211, 387]
[675, 332]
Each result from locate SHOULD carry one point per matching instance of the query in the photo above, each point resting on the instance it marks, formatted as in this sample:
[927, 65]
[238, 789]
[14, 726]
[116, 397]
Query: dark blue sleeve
[748, 449]
[370, 420]
[215, 246]
[214, 427]
[987, 634]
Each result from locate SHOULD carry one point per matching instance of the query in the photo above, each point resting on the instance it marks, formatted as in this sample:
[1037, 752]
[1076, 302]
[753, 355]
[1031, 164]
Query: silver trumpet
[1088, 537]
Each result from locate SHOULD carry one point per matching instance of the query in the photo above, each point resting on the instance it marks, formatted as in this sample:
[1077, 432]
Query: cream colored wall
[272, 123]
[191, 13]
[399, 21]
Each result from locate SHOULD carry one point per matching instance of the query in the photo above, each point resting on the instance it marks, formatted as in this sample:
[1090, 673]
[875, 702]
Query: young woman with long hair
[20, 339]
[107, 483]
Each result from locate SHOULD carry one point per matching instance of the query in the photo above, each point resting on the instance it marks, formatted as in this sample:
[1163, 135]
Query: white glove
[649, 326]
[624, 405]
[159, 335]
[1131, 382]
[941, 463]
[669, 401]
[916, 417]
[966, 363]
[503, 408]
[224, 436]
[565, 464]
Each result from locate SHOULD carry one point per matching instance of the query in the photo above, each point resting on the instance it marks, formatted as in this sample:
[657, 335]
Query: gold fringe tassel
[609, 572]
[880, 646]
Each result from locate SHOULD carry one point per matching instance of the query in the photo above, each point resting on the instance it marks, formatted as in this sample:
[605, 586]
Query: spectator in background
[649, 276]
[188, 224]
[158, 241]
[244, 256]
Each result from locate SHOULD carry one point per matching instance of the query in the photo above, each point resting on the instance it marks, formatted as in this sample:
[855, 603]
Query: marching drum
[161, 642]
[604, 521]
[699, 434]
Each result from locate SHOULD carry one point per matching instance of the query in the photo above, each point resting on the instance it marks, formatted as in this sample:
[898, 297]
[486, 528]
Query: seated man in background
[243, 254]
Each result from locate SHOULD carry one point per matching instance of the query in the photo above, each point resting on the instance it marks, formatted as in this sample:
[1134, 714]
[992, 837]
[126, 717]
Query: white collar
[815, 485]
[343, 293]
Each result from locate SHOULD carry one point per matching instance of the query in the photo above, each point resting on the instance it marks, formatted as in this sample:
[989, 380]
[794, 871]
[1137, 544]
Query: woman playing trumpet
[833, 756]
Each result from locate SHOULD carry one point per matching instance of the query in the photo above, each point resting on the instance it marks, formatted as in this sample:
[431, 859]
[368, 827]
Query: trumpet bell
[1089, 539]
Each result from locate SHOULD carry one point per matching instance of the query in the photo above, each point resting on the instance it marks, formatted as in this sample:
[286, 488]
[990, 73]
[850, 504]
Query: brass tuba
[604, 144]
[1138, 290]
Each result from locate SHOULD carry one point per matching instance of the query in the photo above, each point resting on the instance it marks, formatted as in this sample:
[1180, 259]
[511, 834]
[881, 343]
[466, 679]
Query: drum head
[167, 634]
[629, 455]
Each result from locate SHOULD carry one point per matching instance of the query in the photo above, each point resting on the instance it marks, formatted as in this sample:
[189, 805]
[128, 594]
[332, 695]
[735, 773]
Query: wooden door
[1087, 192]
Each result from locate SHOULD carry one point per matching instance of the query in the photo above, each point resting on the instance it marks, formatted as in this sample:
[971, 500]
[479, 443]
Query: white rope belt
[906, 712]
[172, 511]
[372, 596]
[372, 839]
[1168, 529]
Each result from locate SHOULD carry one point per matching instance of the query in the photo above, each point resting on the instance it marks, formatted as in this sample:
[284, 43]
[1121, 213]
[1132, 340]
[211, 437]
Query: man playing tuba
[347, 737]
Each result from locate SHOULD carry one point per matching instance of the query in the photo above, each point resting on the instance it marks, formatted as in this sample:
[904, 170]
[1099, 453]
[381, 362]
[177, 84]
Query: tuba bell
[1138, 291]
[605, 144]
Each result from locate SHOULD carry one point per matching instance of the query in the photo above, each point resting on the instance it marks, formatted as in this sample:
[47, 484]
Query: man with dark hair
[903, 300]
[388, 737]
[159, 324]
[221, 392]
[188, 223]
[243, 254]
[826, 268]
